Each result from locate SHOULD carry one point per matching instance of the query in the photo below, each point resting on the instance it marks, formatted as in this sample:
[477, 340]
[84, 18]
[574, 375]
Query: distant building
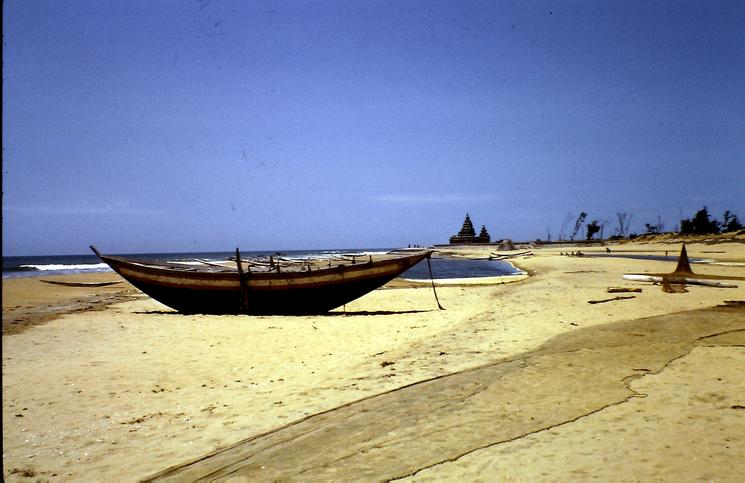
[468, 235]
[483, 235]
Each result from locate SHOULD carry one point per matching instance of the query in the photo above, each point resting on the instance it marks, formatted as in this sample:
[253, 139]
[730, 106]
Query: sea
[35, 266]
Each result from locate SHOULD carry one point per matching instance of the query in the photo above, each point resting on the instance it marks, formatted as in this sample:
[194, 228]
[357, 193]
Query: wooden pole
[242, 281]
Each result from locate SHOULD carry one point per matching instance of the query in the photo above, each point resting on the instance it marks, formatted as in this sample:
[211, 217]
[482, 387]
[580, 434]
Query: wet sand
[133, 389]
[29, 301]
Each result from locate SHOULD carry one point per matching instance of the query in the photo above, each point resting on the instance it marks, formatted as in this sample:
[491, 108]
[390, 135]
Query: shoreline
[135, 388]
[49, 302]
[98, 290]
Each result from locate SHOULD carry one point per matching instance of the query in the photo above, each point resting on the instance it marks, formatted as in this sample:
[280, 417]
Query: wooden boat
[81, 284]
[219, 289]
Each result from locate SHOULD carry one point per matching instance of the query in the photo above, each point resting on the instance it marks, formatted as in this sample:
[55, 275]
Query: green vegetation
[703, 224]
[592, 229]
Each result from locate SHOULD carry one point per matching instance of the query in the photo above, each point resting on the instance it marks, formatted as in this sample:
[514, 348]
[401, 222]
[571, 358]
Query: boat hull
[291, 293]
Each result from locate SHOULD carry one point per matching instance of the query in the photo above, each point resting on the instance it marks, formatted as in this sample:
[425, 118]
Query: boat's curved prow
[98, 254]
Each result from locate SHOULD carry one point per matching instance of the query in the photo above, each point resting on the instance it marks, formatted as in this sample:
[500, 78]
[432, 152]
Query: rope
[432, 279]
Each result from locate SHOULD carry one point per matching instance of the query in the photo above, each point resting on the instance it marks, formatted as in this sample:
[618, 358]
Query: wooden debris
[674, 287]
[677, 279]
[611, 300]
[735, 303]
[623, 290]
[497, 256]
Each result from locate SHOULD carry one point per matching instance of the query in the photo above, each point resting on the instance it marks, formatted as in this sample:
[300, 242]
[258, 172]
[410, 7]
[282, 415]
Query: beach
[517, 379]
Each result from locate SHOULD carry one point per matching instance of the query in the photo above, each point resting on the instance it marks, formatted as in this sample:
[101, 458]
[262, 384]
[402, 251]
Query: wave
[55, 267]
[43, 269]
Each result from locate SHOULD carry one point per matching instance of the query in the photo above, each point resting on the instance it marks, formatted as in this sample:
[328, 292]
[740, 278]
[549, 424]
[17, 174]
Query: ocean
[34, 266]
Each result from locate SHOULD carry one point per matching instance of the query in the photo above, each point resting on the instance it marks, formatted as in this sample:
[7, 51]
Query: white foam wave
[82, 266]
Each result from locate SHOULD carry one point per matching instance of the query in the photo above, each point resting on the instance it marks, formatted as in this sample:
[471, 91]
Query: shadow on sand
[327, 314]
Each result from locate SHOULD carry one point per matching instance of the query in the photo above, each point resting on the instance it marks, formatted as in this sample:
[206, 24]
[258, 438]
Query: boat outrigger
[262, 288]
[676, 281]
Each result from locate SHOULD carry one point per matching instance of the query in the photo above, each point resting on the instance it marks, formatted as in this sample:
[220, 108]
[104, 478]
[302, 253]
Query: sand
[389, 386]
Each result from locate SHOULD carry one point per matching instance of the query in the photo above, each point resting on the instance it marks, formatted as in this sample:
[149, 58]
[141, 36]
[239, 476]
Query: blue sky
[151, 126]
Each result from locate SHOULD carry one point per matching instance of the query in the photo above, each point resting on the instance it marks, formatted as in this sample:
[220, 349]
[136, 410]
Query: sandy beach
[515, 381]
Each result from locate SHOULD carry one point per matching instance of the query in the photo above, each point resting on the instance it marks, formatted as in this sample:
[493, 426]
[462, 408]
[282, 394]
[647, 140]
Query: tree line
[702, 223]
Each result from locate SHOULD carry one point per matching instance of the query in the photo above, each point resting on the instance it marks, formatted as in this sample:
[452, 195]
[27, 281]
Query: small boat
[81, 284]
[675, 281]
[261, 289]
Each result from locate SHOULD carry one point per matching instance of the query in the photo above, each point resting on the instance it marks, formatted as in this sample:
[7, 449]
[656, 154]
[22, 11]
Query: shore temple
[468, 235]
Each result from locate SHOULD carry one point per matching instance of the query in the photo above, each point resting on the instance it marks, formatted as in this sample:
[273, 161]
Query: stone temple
[468, 235]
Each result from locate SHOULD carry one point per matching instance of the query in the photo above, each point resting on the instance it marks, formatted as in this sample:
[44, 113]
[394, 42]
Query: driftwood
[623, 290]
[81, 284]
[676, 287]
[496, 256]
[678, 279]
[620, 297]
